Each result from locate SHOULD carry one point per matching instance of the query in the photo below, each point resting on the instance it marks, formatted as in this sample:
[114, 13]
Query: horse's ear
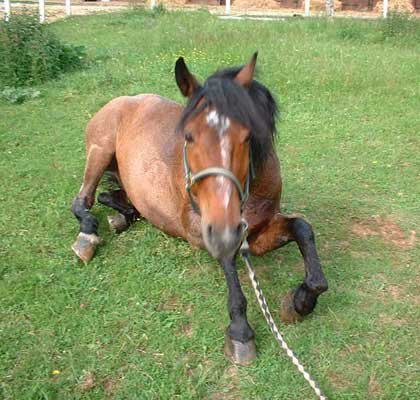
[246, 74]
[184, 79]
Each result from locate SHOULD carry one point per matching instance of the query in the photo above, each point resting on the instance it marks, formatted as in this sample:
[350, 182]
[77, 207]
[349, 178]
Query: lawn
[146, 318]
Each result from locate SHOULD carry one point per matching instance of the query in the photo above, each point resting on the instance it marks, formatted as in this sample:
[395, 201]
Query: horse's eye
[248, 138]
[188, 137]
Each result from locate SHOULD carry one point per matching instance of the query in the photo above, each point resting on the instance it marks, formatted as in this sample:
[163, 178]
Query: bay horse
[207, 173]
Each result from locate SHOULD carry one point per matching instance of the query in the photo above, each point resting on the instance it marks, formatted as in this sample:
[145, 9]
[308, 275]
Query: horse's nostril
[209, 230]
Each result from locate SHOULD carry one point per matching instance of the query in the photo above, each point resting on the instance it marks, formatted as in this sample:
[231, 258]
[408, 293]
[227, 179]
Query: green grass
[146, 317]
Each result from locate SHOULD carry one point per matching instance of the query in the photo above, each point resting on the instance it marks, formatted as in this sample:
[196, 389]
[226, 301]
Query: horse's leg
[239, 340]
[117, 199]
[97, 161]
[280, 231]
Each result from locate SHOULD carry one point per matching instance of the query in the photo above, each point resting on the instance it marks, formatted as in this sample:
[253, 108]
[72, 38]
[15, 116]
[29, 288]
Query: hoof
[238, 352]
[118, 222]
[288, 314]
[85, 246]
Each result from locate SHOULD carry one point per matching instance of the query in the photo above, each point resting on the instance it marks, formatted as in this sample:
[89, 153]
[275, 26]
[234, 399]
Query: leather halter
[191, 179]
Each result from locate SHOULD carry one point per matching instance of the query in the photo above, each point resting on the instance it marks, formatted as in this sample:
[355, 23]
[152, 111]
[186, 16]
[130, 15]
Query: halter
[191, 179]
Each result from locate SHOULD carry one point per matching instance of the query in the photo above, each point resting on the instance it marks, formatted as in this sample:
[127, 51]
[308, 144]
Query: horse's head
[217, 124]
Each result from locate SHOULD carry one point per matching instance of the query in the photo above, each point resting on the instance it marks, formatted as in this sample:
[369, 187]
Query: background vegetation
[31, 54]
[145, 319]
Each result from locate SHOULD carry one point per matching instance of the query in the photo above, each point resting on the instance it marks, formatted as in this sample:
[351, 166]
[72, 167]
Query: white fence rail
[153, 3]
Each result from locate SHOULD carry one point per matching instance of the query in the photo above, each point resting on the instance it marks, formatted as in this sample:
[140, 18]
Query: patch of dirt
[110, 386]
[87, 382]
[395, 292]
[187, 330]
[374, 387]
[170, 304]
[339, 381]
[389, 320]
[230, 392]
[389, 292]
[359, 254]
[386, 229]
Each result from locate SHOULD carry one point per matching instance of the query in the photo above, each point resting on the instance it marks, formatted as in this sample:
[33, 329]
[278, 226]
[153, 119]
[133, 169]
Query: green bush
[30, 53]
[19, 95]
[398, 23]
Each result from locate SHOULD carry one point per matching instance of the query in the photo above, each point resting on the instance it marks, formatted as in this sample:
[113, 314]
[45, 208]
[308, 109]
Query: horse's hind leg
[98, 159]
[117, 199]
[280, 231]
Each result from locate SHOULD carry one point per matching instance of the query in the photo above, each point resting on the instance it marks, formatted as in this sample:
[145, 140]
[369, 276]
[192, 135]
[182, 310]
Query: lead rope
[244, 250]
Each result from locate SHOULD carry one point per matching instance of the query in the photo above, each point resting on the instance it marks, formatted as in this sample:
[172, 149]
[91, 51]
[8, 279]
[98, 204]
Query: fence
[66, 7]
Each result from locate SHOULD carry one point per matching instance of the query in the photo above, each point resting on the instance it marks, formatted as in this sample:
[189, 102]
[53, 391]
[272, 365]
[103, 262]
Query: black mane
[253, 107]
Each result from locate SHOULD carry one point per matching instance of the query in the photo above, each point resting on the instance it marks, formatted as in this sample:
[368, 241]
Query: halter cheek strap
[191, 179]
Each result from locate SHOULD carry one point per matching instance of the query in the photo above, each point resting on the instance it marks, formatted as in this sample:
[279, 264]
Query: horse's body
[138, 139]
[148, 154]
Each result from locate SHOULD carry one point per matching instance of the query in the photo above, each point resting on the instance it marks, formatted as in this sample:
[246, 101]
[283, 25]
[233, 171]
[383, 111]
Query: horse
[207, 172]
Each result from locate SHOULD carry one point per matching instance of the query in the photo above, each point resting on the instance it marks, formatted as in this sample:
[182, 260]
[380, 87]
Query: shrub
[19, 95]
[398, 23]
[30, 53]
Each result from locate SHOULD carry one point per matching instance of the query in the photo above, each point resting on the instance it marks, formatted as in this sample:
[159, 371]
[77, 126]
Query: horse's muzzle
[223, 243]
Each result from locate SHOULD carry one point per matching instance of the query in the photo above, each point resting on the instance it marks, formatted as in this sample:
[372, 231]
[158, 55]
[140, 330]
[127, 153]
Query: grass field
[145, 319]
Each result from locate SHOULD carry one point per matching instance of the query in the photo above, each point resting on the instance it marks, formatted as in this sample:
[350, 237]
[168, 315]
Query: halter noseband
[191, 179]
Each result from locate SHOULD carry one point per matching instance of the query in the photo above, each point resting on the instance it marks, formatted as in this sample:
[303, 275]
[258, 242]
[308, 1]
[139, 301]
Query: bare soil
[253, 8]
[387, 229]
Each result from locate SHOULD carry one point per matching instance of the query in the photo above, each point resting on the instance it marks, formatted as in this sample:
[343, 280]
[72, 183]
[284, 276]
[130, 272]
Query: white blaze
[221, 124]
[218, 122]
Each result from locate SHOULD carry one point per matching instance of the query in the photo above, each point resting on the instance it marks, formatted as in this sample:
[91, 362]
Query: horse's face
[215, 140]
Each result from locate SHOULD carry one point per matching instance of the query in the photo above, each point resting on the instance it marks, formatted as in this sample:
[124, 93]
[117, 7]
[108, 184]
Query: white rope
[264, 308]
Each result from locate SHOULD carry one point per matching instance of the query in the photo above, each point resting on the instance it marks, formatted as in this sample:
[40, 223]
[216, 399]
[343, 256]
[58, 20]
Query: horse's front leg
[239, 340]
[280, 231]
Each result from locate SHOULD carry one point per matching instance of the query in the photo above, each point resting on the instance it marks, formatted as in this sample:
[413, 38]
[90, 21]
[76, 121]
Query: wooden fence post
[42, 11]
[6, 10]
[307, 7]
[227, 7]
[385, 10]
[68, 7]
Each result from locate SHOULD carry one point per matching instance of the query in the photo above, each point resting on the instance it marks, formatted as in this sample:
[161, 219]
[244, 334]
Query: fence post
[68, 7]
[6, 10]
[329, 5]
[227, 8]
[385, 10]
[307, 6]
[42, 11]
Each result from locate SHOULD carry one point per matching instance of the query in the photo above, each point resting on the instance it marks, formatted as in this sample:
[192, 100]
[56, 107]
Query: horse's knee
[303, 230]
